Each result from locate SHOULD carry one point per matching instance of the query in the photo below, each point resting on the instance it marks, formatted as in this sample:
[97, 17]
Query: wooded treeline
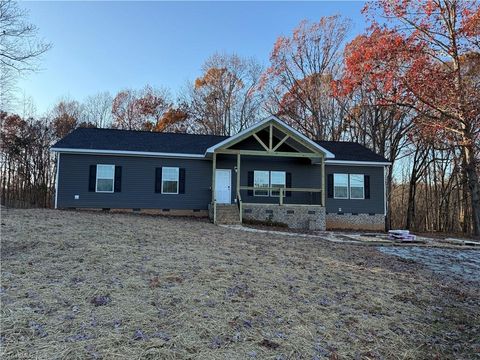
[407, 89]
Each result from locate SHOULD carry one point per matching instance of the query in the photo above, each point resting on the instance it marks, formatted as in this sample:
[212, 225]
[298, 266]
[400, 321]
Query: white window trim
[285, 184]
[348, 187]
[260, 189]
[178, 180]
[113, 179]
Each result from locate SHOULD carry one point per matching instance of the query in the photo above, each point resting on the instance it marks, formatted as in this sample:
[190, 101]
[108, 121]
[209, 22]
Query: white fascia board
[127, 153]
[280, 123]
[56, 180]
[357, 163]
[385, 190]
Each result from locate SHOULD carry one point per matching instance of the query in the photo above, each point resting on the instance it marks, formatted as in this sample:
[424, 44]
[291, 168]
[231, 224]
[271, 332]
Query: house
[269, 173]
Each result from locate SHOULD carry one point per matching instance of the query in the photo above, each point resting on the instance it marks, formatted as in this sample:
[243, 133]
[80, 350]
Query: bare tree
[7, 87]
[298, 82]
[20, 48]
[224, 100]
[98, 109]
[383, 129]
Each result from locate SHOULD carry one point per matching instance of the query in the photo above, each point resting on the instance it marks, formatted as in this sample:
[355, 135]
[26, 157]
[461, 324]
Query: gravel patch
[451, 263]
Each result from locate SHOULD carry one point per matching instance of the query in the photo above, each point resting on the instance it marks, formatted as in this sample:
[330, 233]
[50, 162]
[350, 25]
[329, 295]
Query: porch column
[214, 168]
[323, 180]
[240, 209]
[238, 174]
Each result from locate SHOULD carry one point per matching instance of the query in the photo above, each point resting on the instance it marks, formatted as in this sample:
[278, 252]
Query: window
[357, 186]
[170, 180]
[261, 179]
[277, 179]
[105, 178]
[340, 186]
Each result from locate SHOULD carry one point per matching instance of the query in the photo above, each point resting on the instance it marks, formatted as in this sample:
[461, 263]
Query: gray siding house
[268, 173]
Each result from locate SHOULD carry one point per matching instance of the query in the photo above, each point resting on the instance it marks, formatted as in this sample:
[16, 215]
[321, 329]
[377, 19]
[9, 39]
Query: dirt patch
[94, 285]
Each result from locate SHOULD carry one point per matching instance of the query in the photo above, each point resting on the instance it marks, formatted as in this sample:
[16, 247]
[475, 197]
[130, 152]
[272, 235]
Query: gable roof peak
[260, 125]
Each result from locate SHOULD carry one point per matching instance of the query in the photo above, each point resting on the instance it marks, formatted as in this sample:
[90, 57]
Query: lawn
[94, 285]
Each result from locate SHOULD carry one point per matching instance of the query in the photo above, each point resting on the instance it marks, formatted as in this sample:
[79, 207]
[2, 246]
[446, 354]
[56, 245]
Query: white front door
[223, 182]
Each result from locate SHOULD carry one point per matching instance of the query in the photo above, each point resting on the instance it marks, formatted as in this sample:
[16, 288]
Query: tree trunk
[473, 187]
[388, 220]
[411, 202]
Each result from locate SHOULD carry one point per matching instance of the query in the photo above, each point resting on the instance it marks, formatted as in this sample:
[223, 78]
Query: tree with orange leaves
[224, 99]
[422, 59]
[149, 109]
[298, 81]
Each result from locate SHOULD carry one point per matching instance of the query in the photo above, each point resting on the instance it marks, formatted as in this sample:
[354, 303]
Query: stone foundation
[210, 212]
[311, 217]
[347, 221]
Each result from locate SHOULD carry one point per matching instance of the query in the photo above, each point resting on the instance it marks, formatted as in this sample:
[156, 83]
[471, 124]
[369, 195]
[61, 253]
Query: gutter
[127, 153]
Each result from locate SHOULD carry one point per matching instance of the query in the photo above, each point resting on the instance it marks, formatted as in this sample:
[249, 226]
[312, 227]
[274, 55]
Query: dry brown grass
[90, 285]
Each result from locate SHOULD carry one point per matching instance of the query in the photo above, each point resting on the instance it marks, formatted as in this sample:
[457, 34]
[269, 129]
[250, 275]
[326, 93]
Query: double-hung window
[105, 178]
[340, 186]
[277, 179]
[170, 180]
[357, 187]
[261, 179]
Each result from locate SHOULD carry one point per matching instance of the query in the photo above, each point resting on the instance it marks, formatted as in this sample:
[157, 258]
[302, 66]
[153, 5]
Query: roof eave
[357, 163]
[126, 153]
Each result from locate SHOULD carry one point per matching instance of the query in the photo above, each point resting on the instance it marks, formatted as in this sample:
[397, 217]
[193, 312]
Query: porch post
[214, 168]
[323, 180]
[270, 138]
[240, 210]
[214, 203]
[238, 174]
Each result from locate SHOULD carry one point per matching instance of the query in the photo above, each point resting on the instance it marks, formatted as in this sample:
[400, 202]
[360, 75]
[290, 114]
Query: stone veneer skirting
[348, 221]
[311, 217]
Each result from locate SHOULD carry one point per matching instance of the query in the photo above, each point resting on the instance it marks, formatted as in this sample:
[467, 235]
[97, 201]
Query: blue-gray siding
[373, 205]
[138, 182]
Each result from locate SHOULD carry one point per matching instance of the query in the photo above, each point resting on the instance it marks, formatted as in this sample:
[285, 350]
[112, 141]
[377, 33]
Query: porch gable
[271, 137]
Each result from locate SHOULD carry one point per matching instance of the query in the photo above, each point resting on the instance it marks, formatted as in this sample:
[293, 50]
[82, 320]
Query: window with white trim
[277, 179]
[170, 180]
[261, 179]
[105, 178]
[340, 186]
[357, 186]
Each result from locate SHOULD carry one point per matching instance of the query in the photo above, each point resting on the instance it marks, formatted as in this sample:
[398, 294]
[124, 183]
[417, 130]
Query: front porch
[269, 173]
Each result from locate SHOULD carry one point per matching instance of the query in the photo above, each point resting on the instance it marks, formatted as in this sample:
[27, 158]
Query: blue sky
[109, 46]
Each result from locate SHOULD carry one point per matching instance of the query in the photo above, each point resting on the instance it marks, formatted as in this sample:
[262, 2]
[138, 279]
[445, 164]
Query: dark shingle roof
[146, 141]
[111, 139]
[352, 151]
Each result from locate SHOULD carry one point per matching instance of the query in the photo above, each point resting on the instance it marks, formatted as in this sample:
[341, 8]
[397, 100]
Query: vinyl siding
[374, 205]
[138, 183]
